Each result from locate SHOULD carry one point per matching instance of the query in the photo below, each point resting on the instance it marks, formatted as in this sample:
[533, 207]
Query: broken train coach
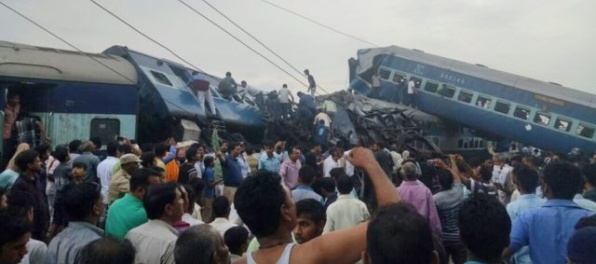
[496, 104]
[170, 108]
[75, 95]
[80, 95]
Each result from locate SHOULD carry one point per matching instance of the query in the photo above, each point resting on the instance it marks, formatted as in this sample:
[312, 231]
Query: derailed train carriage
[116, 93]
[495, 104]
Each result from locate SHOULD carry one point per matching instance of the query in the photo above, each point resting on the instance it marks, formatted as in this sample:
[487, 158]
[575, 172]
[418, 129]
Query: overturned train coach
[493, 103]
[79, 95]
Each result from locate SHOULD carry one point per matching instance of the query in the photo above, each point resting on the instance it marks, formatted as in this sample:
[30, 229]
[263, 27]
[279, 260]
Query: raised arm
[453, 169]
[172, 151]
[346, 246]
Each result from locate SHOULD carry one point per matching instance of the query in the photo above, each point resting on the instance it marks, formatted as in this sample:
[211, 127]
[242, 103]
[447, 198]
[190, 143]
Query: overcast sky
[550, 40]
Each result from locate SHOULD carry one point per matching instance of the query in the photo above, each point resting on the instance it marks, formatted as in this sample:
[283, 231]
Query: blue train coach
[502, 105]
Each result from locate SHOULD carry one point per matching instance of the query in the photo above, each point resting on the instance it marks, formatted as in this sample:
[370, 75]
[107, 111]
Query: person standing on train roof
[411, 97]
[227, 86]
[401, 89]
[376, 85]
[312, 85]
[284, 101]
[242, 90]
[204, 95]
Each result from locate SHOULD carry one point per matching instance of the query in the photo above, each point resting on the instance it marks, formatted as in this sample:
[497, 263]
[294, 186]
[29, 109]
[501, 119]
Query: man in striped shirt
[449, 201]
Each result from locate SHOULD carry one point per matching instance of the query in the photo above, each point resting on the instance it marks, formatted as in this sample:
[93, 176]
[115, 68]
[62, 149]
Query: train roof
[483, 72]
[20, 60]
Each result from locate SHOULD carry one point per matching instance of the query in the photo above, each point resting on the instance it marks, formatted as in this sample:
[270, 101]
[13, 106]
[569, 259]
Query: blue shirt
[271, 164]
[208, 177]
[514, 209]
[7, 179]
[307, 101]
[303, 192]
[321, 134]
[67, 244]
[547, 230]
[232, 171]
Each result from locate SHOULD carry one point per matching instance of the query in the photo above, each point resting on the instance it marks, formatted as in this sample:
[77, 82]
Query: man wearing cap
[128, 212]
[120, 182]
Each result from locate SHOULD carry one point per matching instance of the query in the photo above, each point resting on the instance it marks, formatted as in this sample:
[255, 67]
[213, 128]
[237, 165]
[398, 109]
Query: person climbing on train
[199, 84]
[312, 85]
[284, 97]
[227, 86]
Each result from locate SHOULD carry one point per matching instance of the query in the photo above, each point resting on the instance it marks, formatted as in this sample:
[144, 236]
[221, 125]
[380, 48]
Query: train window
[431, 87]
[105, 128]
[417, 81]
[384, 74]
[447, 91]
[502, 107]
[161, 78]
[397, 77]
[481, 144]
[483, 102]
[465, 97]
[585, 130]
[522, 113]
[542, 118]
[563, 124]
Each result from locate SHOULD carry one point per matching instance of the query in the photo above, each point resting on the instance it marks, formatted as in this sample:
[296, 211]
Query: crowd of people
[319, 202]
[280, 102]
[183, 202]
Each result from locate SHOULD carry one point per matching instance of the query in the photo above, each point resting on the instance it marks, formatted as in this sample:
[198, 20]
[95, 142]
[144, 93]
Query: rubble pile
[358, 119]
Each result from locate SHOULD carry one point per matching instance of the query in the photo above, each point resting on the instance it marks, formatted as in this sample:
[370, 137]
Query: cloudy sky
[550, 40]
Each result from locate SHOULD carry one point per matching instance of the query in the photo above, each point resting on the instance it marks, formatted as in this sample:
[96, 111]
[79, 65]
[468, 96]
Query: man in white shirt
[347, 211]
[221, 210]
[203, 91]
[284, 96]
[325, 117]
[411, 93]
[376, 85]
[244, 168]
[332, 161]
[104, 170]
[502, 179]
[156, 239]
[346, 164]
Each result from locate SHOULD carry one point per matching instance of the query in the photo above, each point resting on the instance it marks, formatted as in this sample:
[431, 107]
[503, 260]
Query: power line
[63, 40]
[82, 52]
[146, 36]
[257, 40]
[320, 24]
[242, 42]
